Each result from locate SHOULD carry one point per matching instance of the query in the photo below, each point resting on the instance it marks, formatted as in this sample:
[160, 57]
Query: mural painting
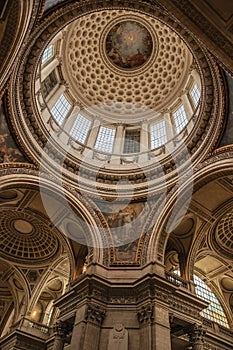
[8, 149]
[128, 45]
[126, 223]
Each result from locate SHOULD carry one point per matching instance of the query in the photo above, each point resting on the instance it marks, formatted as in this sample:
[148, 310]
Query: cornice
[24, 116]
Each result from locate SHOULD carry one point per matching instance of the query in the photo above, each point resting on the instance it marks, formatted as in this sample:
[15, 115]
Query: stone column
[197, 337]
[48, 68]
[145, 318]
[169, 127]
[94, 318]
[187, 106]
[60, 335]
[53, 99]
[118, 144]
[144, 141]
[92, 138]
[93, 133]
[196, 78]
[70, 121]
[86, 331]
[161, 334]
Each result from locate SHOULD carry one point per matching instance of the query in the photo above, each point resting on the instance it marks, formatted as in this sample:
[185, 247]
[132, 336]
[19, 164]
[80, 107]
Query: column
[94, 318]
[53, 99]
[170, 130]
[118, 144]
[72, 117]
[154, 327]
[46, 111]
[196, 78]
[48, 68]
[144, 141]
[197, 337]
[187, 105]
[86, 331]
[161, 334]
[145, 318]
[60, 335]
[92, 138]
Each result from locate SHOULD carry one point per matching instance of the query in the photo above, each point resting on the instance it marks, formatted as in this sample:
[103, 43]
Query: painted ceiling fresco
[129, 44]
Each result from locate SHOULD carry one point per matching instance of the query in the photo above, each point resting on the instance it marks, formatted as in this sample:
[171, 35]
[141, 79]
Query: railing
[32, 327]
[177, 280]
[81, 149]
[217, 328]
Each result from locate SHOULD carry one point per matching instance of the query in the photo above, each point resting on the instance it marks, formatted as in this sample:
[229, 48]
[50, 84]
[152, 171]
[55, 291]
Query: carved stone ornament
[146, 314]
[118, 339]
[197, 336]
[95, 314]
[61, 329]
[25, 117]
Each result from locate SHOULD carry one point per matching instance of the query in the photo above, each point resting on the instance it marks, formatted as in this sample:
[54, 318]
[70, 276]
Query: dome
[25, 238]
[117, 95]
[222, 237]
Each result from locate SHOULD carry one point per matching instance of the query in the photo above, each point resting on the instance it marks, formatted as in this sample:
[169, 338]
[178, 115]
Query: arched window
[214, 311]
[132, 141]
[195, 94]
[48, 53]
[80, 128]
[105, 139]
[60, 109]
[158, 135]
[180, 118]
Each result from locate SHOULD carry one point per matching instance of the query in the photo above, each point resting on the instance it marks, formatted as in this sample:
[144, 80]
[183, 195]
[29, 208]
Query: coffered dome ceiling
[120, 69]
[125, 65]
[24, 238]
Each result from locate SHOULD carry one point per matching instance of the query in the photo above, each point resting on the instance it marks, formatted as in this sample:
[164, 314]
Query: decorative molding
[201, 140]
[146, 314]
[95, 314]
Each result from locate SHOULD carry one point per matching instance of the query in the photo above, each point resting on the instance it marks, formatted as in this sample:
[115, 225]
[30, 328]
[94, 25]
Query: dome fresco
[92, 111]
[116, 211]
[98, 71]
[128, 45]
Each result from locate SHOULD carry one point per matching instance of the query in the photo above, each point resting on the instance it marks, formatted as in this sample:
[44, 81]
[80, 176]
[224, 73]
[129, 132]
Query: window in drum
[195, 94]
[105, 139]
[158, 134]
[132, 141]
[180, 118]
[60, 109]
[80, 128]
[214, 311]
[48, 53]
[48, 84]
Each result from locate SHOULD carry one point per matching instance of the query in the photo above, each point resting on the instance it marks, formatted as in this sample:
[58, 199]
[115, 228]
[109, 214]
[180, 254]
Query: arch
[20, 18]
[215, 311]
[218, 165]
[96, 229]
[15, 283]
